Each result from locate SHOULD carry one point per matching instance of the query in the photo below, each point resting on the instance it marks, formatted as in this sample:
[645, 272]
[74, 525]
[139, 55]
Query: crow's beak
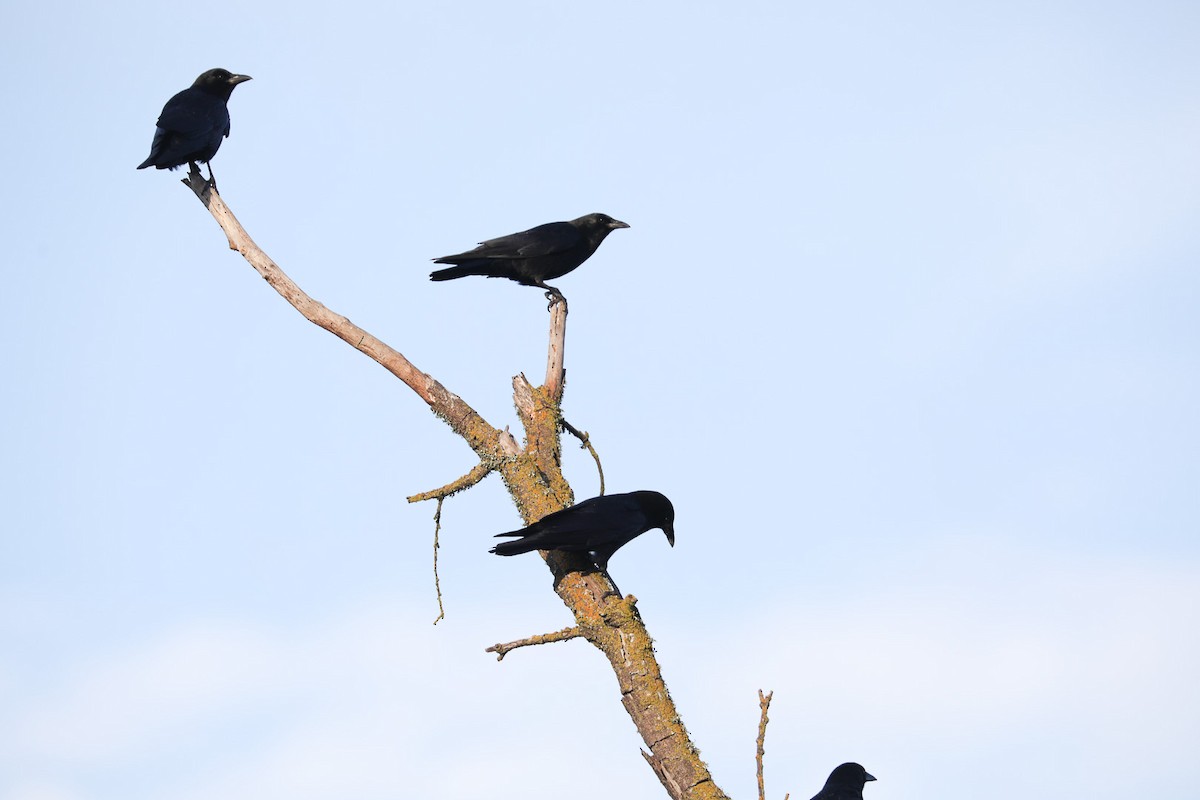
[670, 531]
[870, 777]
[234, 80]
[616, 223]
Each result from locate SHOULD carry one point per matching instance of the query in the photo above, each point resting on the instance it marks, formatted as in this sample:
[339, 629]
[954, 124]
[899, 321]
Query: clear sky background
[905, 325]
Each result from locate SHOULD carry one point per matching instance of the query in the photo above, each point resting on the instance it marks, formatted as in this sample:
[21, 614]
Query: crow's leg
[554, 296]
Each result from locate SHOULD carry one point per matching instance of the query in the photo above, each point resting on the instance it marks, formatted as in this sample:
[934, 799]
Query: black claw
[555, 296]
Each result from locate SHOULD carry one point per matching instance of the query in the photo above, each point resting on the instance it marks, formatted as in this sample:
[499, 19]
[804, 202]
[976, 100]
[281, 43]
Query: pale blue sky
[905, 324]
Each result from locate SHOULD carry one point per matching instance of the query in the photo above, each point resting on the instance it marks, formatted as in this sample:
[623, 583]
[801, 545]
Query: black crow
[194, 122]
[599, 526]
[846, 782]
[534, 256]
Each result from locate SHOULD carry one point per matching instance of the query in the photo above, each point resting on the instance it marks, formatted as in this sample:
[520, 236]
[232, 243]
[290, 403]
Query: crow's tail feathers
[514, 548]
[452, 273]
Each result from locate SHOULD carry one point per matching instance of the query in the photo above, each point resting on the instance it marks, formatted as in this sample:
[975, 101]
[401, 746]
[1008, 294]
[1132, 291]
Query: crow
[598, 526]
[194, 122]
[846, 782]
[534, 256]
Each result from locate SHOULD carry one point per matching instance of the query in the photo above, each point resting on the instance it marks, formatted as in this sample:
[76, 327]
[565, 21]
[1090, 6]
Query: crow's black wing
[191, 125]
[594, 522]
[195, 113]
[544, 240]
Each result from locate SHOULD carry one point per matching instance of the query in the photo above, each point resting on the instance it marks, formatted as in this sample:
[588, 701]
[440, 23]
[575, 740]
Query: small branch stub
[477, 473]
[501, 650]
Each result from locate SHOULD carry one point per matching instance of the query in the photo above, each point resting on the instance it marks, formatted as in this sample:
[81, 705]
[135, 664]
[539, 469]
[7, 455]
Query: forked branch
[533, 476]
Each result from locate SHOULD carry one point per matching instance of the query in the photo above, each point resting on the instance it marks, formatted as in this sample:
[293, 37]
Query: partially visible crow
[534, 256]
[598, 526]
[194, 122]
[846, 782]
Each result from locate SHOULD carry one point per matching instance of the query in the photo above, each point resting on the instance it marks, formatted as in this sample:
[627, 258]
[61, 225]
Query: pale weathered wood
[450, 407]
[555, 372]
[533, 476]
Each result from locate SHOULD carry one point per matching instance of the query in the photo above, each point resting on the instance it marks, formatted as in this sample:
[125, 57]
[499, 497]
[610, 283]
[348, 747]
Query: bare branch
[501, 650]
[477, 473]
[450, 407]
[437, 584]
[586, 440]
[533, 477]
[554, 359]
[764, 702]
[539, 415]
[523, 396]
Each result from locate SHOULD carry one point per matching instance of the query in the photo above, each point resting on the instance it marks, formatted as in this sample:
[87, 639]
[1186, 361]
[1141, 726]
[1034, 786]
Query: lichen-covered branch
[615, 626]
[477, 473]
[533, 476]
[501, 650]
[610, 623]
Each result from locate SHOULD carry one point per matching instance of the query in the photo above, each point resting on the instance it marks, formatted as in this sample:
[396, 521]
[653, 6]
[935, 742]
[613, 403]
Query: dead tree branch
[501, 650]
[555, 373]
[533, 477]
[586, 442]
[764, 702]
[463, 419]
[437, 584]
[477, 473]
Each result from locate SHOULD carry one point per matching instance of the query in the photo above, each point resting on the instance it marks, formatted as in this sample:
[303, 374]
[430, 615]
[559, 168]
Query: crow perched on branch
[193, 122]
[534, 256]
[846, 782]
[598, 526]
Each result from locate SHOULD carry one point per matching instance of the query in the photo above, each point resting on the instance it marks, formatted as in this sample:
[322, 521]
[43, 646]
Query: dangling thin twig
[437, 528]
[586, 443]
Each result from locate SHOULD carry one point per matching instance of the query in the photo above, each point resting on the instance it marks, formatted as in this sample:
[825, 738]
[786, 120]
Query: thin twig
[586, 440]
[477, 473]
[764, 703]
[437, 585]
[501, 650]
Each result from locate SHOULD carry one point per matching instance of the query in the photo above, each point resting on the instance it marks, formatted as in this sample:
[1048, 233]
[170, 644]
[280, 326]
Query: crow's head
[219, 82]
